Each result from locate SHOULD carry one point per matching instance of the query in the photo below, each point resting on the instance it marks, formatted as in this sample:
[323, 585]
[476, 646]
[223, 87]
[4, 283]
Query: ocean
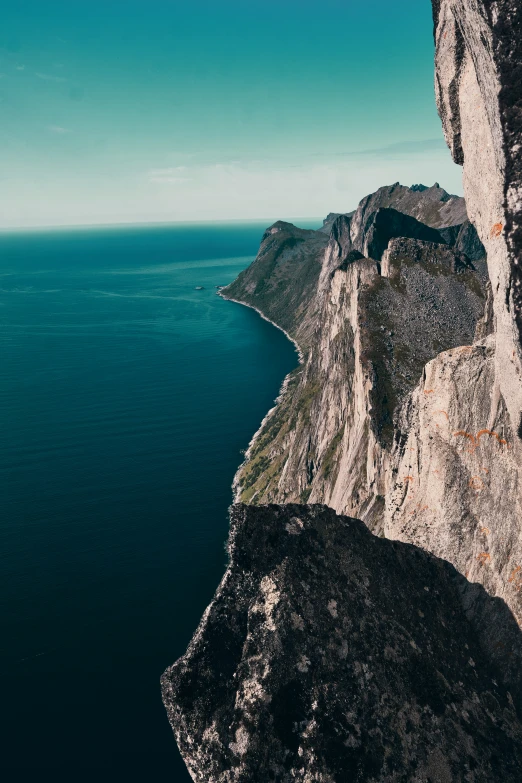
[126, 398]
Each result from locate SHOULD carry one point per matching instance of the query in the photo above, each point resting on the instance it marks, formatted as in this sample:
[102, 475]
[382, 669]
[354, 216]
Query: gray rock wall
[479, 95]
[455, 484]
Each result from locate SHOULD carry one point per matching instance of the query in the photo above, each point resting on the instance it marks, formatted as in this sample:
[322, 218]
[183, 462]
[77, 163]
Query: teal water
[125, 399]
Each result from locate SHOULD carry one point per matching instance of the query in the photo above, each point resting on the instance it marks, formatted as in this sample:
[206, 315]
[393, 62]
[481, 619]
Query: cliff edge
[329, 654]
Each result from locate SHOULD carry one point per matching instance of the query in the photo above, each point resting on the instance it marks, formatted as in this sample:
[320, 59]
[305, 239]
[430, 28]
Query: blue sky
[134, 111]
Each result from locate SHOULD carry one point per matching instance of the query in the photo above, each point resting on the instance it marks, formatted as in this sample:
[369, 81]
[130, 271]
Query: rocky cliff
[460, 432]
[329, 654]
[375, 418]
[382, 297]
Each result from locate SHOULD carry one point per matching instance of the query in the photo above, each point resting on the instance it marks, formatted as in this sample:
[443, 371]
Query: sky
[139, 111]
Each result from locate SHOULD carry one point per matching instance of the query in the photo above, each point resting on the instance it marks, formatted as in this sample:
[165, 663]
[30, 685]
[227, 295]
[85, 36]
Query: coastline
[266, 318]
[235, 487]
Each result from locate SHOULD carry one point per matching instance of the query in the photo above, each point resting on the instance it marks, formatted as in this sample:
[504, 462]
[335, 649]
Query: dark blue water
[125, 399]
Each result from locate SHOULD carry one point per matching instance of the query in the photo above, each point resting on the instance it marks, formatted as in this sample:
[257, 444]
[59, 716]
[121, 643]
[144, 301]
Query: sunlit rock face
[455, 486]
[369, 308]
[479, 95]
[329, 654]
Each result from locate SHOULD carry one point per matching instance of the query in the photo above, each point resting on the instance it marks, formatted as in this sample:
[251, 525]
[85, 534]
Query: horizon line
[145, 224]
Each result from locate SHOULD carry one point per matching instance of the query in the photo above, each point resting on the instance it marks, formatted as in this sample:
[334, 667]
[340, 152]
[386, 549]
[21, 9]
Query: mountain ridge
[303, 460]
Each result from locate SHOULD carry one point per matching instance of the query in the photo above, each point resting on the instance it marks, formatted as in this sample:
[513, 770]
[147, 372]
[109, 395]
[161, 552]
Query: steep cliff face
[479, 96]
[282, 282]
[456, 481]
[367, 331]
[310, 665]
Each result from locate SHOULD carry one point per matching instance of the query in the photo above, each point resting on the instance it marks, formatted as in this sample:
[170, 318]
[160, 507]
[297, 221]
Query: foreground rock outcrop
[329, 654]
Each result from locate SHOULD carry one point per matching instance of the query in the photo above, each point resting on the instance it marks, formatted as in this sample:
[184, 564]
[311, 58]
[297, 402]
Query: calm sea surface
[125, 399]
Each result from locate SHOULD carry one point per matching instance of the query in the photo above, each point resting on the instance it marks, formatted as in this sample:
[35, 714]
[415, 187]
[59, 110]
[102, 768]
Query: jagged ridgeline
[369, 298]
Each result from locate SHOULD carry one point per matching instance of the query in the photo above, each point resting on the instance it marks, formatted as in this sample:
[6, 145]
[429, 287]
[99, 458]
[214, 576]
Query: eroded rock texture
[331, 655]
[455, 486]
[456, 490]
[479, 96]
[384, 296]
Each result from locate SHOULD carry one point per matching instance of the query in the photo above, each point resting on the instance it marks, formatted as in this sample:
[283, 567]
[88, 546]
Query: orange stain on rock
[476, 482]
[483, 558]
[496, 230]
[493, 434]
[485, 530]
[429, 391]
[469, 436]
[514, 573]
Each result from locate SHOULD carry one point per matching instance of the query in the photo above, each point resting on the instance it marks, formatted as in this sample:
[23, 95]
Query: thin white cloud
[168, 180]
[58, 129]
[167, 176]
[172, 171]
[47, 77]
[391, 151]
[20, 67]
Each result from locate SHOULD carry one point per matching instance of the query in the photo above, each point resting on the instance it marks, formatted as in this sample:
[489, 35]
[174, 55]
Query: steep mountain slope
[329, 654]
[282, 281]
[366, 332]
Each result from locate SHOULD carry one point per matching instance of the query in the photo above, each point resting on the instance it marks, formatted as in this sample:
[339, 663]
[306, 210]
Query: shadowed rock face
[331, 655]
[456, 486]
[385, 224]
[432, 206]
